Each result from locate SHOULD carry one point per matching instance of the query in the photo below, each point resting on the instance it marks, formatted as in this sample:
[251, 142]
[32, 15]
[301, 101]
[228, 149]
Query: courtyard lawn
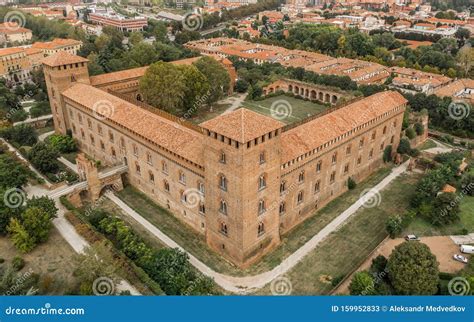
[292, 109]
[196, 244]
[428, 144]
[208, 113]
[345, 250]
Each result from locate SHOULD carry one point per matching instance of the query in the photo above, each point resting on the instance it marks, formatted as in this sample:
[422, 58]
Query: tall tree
[217, 77]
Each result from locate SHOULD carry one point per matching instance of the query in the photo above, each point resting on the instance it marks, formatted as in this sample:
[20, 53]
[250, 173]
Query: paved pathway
[249, 284]
[68, 232]
[236, 102]
[32, 120]
[68, 164]
[45, 135]
[440, 148]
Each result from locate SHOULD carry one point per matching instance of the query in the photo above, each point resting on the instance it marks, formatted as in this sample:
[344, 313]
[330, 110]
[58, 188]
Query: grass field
[345, 249]
[291, 109]
[196, 244]
[421, 227]
[53, 259]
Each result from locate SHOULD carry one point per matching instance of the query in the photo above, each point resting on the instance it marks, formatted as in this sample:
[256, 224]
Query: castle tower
[242, 165]
[60, 71]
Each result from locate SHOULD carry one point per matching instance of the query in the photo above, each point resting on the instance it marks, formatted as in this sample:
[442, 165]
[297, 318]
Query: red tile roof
[63, 58]
[242, 125]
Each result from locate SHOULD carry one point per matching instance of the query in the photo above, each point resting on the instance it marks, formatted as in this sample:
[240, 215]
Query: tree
[445, 209]
[419, 128]
[404, 146]
[413, 269]
[217, 77]
[62, 143]
[410, 133]
[13, 174]
[394, 226]
[95, 262]
[378, 265]
[44, 157]
[163, 86]
[467, 183]
[241, 85]
[37, 223]
[44, 203]
[20, 236]
[362, 284]
[197, 89]
[21, 135]
[387, 153]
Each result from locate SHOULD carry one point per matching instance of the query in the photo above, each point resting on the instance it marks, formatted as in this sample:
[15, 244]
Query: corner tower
[242, 171]
[60, 71]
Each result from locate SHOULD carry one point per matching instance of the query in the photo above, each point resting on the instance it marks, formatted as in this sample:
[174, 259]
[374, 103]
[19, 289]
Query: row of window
[225, 231]
[261, 158]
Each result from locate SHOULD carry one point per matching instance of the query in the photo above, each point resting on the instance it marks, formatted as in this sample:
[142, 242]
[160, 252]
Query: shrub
[362, 284]
[387, 154]
[394, 226]
[419, 129]
[43, 157]
[336, 280]
[18, 263]
[20, 134]
[404, 146]
[410, 133]
[378, 265]
[351, 184]
[62, 143]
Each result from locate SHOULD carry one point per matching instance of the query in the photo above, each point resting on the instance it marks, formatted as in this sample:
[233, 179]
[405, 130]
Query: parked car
[467, 249]
[412, 238]
[460, 258]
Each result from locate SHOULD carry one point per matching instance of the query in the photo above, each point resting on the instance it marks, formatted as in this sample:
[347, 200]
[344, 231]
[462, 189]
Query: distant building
[14, 65]
[118, 21]
[11, 33]
[71, 46]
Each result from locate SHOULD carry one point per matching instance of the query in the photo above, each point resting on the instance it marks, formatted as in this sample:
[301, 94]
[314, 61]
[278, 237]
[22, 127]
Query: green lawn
[421, 227]
[428, 144]
[208, 113]
[346, 249]
[292, 109]
[196, 244]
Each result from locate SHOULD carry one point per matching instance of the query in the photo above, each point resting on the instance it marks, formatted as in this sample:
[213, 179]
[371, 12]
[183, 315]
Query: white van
[467, 249]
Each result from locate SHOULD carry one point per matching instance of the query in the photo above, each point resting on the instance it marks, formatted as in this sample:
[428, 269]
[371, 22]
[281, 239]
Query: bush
[20, 134]
[404, 146]
[362, 284]
[62, 143]
[241, 86]
[378, 265]
[44, 158]
[387, 154]
[419, 129]
[18, 263]
[394, 226]
[336, 280]
[351, 184]
[410, 133]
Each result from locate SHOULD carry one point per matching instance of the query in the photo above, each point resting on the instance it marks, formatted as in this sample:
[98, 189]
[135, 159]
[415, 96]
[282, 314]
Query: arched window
[319, 166]
[164, 167]
[166, 185]
[374, 134]
[222, 182]
[282, 207]
[135, 150]
[223, 207]
[301, 176]
[111, 137]
[182, 177]
[317, 186]
[348, 149]
[262, 157]
[137, 167]
[261, 229]
[223, 157]
[92, 139]
[224, 228]
[261, 207]
[282, 186]
[384, 129]
[300, 197]
[334, 158]
[83, 134]
[112, 151]
[361, 143]
[122, 144]
[201, 188]
[262, 182]
[149, 159]
[333, 177]
[151, 176]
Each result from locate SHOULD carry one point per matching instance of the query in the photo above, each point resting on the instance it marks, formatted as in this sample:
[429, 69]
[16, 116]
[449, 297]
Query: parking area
[442, 247]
